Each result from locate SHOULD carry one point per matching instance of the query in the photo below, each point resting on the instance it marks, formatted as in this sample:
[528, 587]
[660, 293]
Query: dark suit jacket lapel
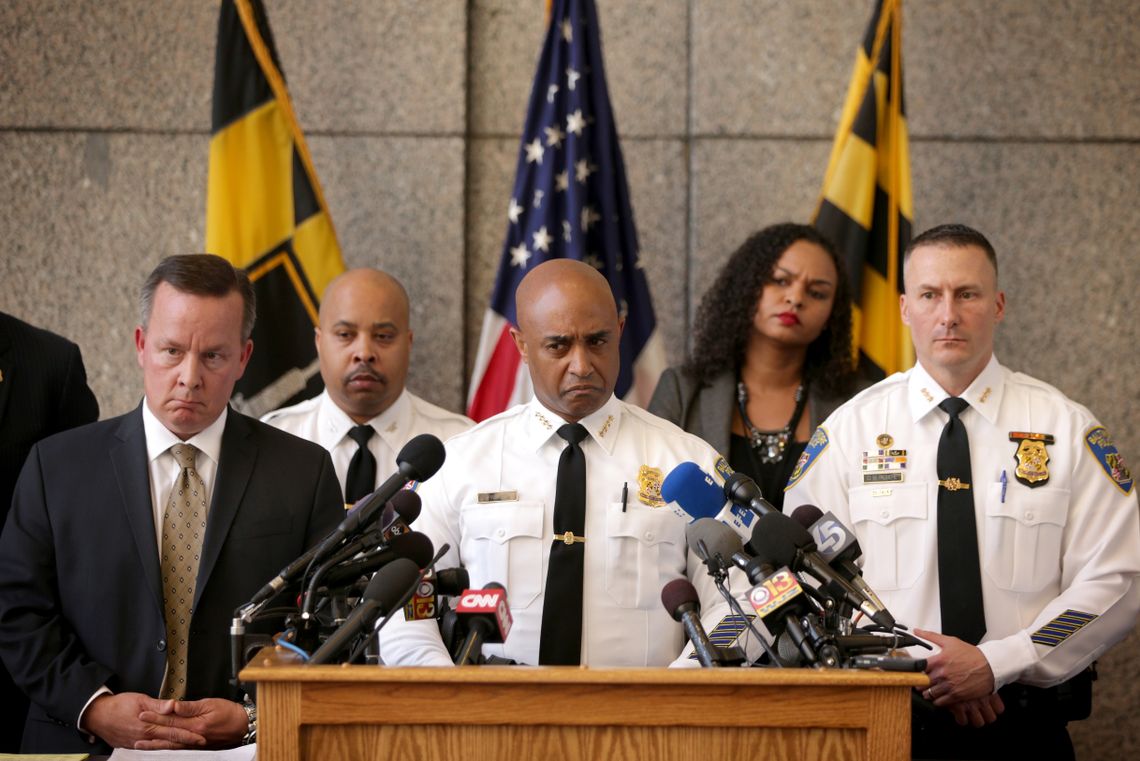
[7, 360]
[234, 470]
[717, 403]
[129, 461]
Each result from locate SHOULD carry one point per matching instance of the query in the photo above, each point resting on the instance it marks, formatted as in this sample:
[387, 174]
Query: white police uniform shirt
[321, 421]
[1059, 560]
[493, 503]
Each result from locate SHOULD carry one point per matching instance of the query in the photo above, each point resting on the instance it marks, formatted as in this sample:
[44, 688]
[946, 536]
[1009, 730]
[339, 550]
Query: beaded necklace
[770, 445]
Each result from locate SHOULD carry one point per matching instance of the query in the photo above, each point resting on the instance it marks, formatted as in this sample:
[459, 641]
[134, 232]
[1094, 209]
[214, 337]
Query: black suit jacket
[43, 390]
[80, 591]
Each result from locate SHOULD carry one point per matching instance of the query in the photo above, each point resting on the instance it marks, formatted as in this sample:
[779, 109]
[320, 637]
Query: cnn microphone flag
[570, 200]
[265, 210]
[866, 207]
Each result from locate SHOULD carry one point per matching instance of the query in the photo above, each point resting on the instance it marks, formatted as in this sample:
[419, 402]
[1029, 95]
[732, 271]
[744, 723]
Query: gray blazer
[705, 408]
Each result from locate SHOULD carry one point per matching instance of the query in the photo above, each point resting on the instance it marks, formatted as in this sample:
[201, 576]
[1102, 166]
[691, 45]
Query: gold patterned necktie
[183, 525]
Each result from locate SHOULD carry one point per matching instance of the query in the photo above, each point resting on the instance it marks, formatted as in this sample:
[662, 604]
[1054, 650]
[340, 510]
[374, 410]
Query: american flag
[571, 200]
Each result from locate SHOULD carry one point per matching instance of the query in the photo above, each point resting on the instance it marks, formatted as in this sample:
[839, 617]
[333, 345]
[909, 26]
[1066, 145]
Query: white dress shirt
[164, 469]
[511, 461]
[321, 421]
[1059, 559]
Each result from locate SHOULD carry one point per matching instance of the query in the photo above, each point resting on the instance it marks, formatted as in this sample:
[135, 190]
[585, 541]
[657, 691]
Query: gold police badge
[1032, 457]
[649, 486]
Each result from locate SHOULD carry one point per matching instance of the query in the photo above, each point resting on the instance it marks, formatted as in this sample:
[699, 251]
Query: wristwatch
[251, 717]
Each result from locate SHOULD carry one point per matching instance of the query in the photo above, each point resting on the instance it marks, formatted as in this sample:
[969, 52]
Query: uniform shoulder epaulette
[300, 408]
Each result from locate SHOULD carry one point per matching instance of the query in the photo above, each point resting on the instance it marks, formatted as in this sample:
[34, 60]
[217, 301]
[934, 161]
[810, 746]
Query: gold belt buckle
[569, 538]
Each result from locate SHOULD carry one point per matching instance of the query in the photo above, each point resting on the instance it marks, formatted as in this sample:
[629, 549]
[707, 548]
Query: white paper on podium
[242, 753]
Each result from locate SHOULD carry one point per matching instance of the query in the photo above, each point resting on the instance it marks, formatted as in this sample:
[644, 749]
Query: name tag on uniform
[884, 466]
[498, 496]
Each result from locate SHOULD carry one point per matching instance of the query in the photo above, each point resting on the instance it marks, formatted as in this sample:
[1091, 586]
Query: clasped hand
[961, 681]
[134, 720]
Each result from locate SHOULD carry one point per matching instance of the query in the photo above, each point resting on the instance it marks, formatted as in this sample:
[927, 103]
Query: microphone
[487, 617]
[398, 514]
[719, 540]
[788, 543]
[695, 494]
[742, 490]
[722, 541]
[424, 604]
[392, 523]
[837, 545]
[375, 537]
[385, 590]
[780, 602]
[888, 663]
[413, 546]
[419, 459]
[680, 598]
[723, 549]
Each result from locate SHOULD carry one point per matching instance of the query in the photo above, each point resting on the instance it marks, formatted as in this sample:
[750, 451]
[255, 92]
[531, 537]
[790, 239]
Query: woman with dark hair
[771, 354]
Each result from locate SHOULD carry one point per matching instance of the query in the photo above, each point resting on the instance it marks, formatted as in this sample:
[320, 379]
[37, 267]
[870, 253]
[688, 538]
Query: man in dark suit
[131, 541]
[43, 390]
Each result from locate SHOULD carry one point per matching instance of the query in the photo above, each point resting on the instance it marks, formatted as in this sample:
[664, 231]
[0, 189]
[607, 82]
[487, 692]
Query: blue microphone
[694, 494]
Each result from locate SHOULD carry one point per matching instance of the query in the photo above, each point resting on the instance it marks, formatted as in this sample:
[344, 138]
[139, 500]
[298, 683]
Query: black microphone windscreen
[677, 593]
[741, 489]
[407, 504]
[392, 582]
[718, 538]
[452, 581]
[776, 538]
[807, 515]
[414, 546]
[421, 457]
[789, 653]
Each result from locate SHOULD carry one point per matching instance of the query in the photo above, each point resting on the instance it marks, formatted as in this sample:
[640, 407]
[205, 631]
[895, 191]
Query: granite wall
[1024, 122]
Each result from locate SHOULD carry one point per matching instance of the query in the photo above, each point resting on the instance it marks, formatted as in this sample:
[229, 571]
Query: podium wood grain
[367, 713]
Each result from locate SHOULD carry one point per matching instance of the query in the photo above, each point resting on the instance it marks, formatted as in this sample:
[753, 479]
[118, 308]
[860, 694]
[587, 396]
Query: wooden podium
[360, 713]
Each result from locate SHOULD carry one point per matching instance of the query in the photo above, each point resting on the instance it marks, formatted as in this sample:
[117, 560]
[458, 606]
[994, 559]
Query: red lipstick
[788, 319]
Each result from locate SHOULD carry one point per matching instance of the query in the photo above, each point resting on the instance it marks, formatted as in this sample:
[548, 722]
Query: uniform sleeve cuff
[1009, 658]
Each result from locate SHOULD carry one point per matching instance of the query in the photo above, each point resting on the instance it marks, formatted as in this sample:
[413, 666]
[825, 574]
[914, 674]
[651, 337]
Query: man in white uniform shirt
[994, 514]
[365, 415]
[588, 593]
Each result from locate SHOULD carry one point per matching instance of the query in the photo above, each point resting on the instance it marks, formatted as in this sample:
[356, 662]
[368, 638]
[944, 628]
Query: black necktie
[959, 573]
[362, 469]
[561, 640]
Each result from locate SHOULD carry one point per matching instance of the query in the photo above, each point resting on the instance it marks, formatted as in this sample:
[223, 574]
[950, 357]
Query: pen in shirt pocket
[624, 494]
[1004, 481]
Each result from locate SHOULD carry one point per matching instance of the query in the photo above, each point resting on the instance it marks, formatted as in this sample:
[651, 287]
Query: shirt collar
[159, 439]
[540, 424]
[390, 424]
[983, 394]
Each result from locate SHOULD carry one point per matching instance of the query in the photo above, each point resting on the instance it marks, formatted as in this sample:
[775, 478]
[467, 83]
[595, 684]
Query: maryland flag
[265, 211]
[866, 206]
